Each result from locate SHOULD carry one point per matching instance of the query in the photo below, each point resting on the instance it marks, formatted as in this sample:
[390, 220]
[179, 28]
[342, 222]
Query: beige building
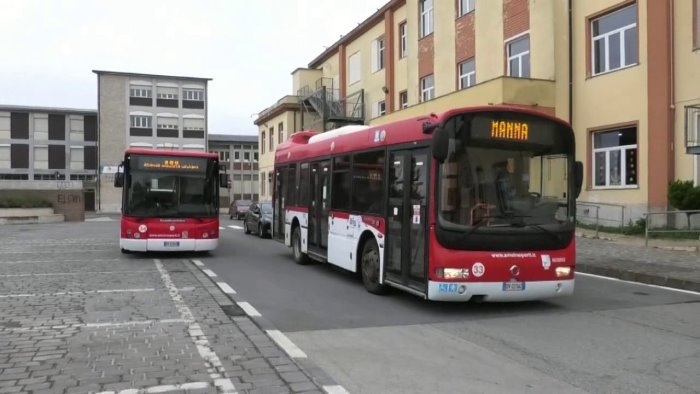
[625, 73]
[145, 111]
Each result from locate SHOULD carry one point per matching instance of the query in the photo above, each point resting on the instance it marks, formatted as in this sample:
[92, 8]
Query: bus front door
[318, 209]
[406, 218]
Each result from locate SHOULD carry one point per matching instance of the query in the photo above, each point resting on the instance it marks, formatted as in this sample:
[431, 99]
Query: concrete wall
[112, 124]
[67, 197]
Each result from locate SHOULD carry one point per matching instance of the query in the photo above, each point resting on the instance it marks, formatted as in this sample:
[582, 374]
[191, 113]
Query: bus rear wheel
[299, 256]
[369, 265]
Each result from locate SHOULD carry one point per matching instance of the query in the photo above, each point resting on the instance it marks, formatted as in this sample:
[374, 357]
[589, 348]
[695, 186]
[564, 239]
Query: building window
[193, 94]
[280, 131]
[255, 157]
[403, 99]
[519, 57]
[272, 139]
[380, 109]
[236, 156]
[614, 40]
[246, 157]
[403, 40]
[378, 54]
[465, 7]
[467, 74]
[140, 91]
[615, 158]
[354, 71]
[262, 142]
[141, 122]
[427, 88]
[262, 184]
[426, 17]
[225, 156]
[696, 28]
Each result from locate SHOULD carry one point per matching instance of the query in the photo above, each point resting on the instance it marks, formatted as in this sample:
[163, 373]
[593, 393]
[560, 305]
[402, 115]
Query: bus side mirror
[119, 179]
[223, 181]
[578, 177]
[440, 144]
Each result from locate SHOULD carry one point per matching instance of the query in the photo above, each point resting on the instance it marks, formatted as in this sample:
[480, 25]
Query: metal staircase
[323, 109]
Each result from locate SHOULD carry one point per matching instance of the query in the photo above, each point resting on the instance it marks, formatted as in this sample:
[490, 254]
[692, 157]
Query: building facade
[240, 155]
[146, 111]
[275, 125]
[623, 72]
[42, 144]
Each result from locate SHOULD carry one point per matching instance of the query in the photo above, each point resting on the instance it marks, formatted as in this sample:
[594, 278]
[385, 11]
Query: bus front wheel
[369, 265]
[299, 256]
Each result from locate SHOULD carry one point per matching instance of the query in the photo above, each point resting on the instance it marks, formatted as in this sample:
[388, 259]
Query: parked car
[258, 219]
[238, 208]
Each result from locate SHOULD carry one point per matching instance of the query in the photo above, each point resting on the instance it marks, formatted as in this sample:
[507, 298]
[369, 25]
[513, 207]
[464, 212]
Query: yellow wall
[608, 99]
[371, 82]
[411, 76]
[488, 28]
[302, 77]
[444, 63]
[267, 160]
[560, 14]
[687, 69]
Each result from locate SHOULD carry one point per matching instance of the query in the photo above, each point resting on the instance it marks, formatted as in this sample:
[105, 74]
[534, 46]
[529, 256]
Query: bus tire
[125, 251]
[369, 267]
[299, 256]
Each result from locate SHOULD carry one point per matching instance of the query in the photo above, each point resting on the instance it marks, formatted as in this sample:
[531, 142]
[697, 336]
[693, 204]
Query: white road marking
[132, 323]
[226, 288]
[236, 227]
[54, 261]
[198, 263]
[60, 251]
[209, 272]
[77, 273]
[249, 309]
[70, 293]
[639, 283]
[335, 389]
[161, 388]
[211, 359]
[286, 344]
[222, 228]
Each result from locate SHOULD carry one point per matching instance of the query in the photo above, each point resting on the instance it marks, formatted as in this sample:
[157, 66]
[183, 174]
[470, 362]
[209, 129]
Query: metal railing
[674, 222]
[586, 206]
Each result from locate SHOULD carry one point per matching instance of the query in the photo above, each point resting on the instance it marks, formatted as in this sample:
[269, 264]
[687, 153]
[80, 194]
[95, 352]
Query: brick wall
[465, 43]
[516, 17]
[426, 54]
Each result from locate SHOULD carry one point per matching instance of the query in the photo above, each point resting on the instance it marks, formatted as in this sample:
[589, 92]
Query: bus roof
[161, 152]
[305, 144]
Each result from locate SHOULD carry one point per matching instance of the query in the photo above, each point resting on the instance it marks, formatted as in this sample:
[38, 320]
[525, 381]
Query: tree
[683, 196]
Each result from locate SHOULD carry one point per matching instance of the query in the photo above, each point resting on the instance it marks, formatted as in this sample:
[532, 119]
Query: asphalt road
[611, 336]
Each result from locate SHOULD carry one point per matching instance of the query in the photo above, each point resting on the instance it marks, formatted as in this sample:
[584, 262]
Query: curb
[639, 277]
[227, 301]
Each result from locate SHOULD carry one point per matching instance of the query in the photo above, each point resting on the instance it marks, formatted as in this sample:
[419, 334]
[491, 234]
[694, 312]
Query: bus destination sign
[509, 130]
[170, 163]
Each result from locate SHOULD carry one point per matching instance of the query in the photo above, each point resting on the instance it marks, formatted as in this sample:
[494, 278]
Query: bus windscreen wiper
[482, 221]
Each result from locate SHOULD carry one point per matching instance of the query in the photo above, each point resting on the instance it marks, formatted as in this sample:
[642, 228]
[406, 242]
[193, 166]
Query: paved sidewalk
[76, 316]
[668, 263]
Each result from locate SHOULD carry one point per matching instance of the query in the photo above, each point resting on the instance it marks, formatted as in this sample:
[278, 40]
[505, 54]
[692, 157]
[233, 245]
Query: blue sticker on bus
[448, 287]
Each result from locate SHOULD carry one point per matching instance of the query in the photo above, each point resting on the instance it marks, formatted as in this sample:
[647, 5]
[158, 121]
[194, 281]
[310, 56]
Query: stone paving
[76, 316]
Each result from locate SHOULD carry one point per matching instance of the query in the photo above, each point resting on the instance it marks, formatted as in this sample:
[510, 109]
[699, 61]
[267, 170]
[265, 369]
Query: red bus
[469, 204]
[170, 200]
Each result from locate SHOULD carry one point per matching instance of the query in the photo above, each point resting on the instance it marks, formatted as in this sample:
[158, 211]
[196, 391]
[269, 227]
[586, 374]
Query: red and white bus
[469, 204]
[170, 200]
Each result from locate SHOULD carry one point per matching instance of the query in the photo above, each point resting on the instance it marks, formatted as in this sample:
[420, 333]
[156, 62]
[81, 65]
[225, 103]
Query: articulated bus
[170, 200]
[470, 204]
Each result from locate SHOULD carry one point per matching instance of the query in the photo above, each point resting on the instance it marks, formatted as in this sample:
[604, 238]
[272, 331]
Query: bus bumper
[167, 245]
[494, 291]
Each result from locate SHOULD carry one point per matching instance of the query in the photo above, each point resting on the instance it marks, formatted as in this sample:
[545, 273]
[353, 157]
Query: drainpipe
[571, 65]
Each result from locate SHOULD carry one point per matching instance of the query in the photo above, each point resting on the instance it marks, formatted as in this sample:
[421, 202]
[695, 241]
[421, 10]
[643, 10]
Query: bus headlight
[562, 271]
[452, 273]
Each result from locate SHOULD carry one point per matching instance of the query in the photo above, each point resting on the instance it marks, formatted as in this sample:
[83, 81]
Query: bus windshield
[501, 174]
[170, 191]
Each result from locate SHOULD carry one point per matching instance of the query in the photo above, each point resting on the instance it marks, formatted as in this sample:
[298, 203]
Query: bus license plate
[513, 286]
[171, 244]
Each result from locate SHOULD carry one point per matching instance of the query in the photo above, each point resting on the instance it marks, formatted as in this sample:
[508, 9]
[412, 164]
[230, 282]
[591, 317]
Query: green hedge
[24, 203]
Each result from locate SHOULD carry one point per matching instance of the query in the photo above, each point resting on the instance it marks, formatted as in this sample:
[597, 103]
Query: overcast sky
[49, 48]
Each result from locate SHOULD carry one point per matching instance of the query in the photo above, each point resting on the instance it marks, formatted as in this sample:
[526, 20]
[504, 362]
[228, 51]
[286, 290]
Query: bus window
[340, 197]
[368, 177]
[292, 185]
[304, 184]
